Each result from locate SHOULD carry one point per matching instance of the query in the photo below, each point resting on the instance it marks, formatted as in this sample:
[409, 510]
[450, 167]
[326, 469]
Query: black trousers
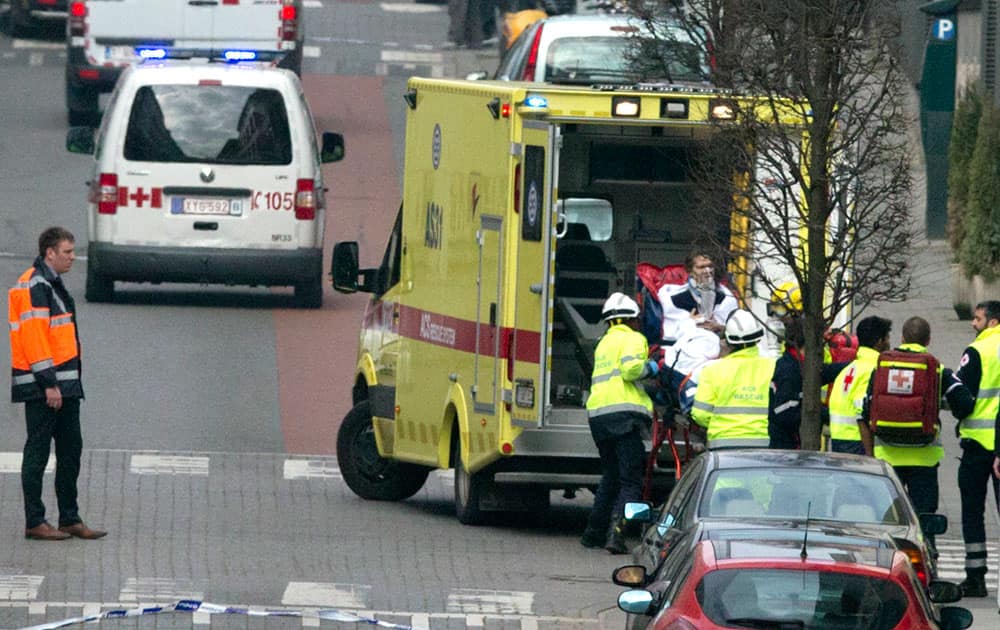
[46, 425]
[622, 461]
[975, 473]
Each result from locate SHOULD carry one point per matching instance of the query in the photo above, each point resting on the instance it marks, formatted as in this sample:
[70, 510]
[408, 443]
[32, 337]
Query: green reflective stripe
[24, 379]
[739, 443]
[632, 357]
[723, 411]
[604, 378]
[44, 364]
[704, 406]
[847, 420]
[37, 313]
[618, 408]
[974, 547]
[975, 563]
[61, 320]
[880, 442]
[68, 375]
[14, 325]
[993, 392]
[22, 285]
[39, 279]
[903, 364]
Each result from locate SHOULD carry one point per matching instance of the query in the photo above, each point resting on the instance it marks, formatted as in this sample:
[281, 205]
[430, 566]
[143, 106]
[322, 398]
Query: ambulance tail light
[289, 20]
[77, 21]
[305, 200]
[532, 64]
[107, 193]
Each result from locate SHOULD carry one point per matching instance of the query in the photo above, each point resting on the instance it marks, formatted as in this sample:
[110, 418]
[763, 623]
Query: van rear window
[216, 124]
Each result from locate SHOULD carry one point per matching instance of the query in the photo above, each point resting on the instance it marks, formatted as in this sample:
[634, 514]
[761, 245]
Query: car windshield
[215, 124]
[776, 598]
[617, 59]
[826, 493]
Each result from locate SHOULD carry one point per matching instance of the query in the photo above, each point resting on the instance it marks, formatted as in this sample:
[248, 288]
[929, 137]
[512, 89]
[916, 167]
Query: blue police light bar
[152, 53]
[239, 55]
[536, 101]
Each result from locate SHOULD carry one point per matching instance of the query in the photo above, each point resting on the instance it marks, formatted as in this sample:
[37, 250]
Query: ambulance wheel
[366, 473]
[469, 491]
[309, 294]
[99, 288]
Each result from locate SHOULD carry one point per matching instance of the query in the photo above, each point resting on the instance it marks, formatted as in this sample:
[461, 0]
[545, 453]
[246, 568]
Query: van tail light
[305, 200]
[532, 64]
[107, 193]
[289, 20]
[77, 22]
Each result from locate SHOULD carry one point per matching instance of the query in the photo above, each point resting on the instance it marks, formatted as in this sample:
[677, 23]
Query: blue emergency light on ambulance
[536, 101]
[239, 55]
[151, 53]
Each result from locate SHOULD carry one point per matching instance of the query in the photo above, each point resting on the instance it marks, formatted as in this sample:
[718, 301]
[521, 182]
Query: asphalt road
[212, 413]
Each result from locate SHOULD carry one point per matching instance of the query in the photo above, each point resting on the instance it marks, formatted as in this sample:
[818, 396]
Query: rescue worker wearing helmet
[731, 401]
[618, 408]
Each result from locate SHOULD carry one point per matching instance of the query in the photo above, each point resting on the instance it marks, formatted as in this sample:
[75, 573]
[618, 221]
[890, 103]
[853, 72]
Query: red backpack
[906, 392]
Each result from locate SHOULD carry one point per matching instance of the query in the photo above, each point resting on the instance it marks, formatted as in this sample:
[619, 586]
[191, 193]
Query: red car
[795, 580]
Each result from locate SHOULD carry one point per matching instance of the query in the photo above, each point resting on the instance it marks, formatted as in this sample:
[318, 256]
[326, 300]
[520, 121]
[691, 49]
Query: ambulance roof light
[536, 101]
[152, 53]
[239, 55]
[722, 110]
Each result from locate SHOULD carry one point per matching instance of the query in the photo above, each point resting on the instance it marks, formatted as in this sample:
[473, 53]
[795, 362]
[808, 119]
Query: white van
[104, 36]
[210, 173]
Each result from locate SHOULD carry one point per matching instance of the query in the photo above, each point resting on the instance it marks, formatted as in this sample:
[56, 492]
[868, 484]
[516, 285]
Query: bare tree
[824, 194]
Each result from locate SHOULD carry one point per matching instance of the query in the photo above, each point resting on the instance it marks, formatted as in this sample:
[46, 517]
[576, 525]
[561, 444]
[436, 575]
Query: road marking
[138, 589]
[312, 4]
[311, 51]
[10, 462]
[20, 586]
[326, 594]
[311, 469]
[406, 7]
[29, 44]
[168, 464]
[467, 600]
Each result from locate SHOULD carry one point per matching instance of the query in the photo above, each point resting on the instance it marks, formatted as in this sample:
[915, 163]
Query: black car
[787, 487]
[28, 14]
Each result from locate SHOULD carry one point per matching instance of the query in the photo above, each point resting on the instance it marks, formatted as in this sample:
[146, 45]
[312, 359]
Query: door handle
[206, 225]
[203, 3]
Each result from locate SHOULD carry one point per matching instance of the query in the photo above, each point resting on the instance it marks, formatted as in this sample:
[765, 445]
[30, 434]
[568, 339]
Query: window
[587, 219]
[214, 124]
[617, 59]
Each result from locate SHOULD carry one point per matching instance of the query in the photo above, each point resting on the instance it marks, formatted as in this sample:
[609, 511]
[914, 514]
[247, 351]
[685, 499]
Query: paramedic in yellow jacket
[849, 431]
[733, 392]
[618, 407]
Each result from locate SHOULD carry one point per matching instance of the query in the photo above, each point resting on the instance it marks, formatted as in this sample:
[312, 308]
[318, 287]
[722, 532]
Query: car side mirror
[955, 618]
[637, 602]
[941, 592]
[80, 140]
[333, 147]
[933, 524]
[630, 575]
[638, 512]
[479, 75]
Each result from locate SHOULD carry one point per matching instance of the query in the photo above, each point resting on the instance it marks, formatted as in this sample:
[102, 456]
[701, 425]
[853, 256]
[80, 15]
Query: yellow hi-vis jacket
[928, 455]
[847, 398]
[44, 347]
[980, 424]
[619, 361]
[731, 399]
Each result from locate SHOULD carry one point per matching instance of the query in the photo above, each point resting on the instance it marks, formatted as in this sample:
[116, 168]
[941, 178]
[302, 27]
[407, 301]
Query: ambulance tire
[469, 490]
[309, 294]
[366, 473]
[99, 288]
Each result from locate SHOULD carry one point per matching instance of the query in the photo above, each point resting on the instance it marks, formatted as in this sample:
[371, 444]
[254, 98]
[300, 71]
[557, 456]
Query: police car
[207, 172]
[105, 36]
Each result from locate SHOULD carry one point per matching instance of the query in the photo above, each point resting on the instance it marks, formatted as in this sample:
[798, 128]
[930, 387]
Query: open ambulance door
[534, 164]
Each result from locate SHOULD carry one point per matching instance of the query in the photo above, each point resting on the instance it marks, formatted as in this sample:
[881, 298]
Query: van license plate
[194, 205]
[119, 53]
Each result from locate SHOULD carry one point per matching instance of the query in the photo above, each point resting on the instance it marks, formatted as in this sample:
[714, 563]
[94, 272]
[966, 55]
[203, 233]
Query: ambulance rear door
[535, 164]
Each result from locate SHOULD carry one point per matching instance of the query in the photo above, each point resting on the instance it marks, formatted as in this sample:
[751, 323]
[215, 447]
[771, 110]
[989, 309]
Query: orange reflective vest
[44, 346]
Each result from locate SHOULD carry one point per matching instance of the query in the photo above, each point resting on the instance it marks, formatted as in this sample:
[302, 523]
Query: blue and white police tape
[195, 606]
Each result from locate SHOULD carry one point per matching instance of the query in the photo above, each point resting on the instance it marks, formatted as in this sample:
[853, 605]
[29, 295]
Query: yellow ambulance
[524, 207]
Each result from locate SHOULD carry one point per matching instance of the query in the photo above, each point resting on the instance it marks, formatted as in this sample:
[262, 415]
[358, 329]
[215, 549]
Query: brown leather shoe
[82, 531]
[45, 532]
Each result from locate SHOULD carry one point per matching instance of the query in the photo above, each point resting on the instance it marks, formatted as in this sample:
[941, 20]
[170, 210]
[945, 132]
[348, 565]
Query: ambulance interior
[626, 195]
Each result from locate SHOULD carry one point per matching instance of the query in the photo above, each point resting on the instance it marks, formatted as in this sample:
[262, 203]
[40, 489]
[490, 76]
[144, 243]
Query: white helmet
[743, 328]
[619, 306]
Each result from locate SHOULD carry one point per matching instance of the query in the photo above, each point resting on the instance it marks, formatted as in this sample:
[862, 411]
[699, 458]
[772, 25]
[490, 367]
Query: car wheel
[366, 473]
[309, 294]
[21, 23]
[469, 490]
[99, 288]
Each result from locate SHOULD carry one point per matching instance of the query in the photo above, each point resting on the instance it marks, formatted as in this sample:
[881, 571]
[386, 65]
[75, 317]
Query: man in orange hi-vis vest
[45, 362]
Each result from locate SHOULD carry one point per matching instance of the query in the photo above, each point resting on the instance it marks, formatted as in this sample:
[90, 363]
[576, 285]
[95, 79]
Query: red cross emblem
[139, 197]
[900, 382]
[849, 379]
